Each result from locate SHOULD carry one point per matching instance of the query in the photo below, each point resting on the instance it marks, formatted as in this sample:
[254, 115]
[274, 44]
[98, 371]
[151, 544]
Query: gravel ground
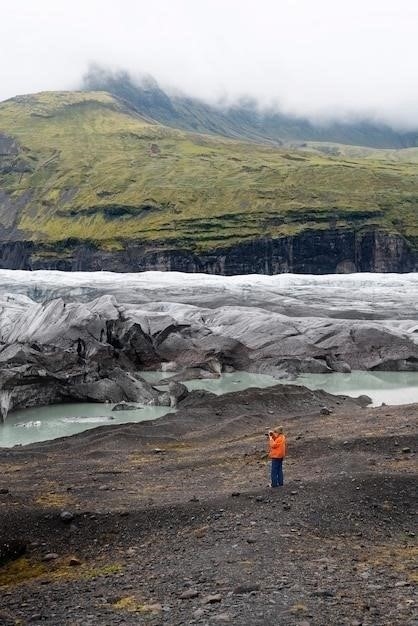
[173, 522]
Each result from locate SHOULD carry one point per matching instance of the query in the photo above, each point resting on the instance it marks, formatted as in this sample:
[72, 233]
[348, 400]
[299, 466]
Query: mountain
[86, 182]
[243, 120]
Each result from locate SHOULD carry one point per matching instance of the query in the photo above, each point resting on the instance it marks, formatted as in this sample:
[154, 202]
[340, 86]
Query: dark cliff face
[311, 252]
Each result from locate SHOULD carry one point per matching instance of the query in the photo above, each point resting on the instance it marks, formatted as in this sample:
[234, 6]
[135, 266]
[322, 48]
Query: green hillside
[84, 166]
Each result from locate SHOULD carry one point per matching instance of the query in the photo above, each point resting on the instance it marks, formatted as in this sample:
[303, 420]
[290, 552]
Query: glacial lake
[382, 387]
[45, 423]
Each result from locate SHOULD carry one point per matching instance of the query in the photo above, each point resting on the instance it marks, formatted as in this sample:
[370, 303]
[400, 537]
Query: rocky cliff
[310, 252]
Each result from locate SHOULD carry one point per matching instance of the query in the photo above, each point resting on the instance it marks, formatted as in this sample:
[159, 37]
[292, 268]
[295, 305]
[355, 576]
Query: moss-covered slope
[82, 165]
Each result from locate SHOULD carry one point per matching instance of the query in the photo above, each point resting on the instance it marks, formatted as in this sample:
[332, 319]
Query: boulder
[177, 393]
[125, 406]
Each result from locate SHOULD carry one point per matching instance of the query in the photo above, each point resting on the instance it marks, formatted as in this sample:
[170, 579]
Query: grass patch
[100, 174]
[52, 498]
[132, 605]
[402, 559]
[88, 573]
[21, 570]
[24, 570]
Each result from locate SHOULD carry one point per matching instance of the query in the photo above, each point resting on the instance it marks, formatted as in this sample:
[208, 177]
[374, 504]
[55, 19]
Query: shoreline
[87, 413]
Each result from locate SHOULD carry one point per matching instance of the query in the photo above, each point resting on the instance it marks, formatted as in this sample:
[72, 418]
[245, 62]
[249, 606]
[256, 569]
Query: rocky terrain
[76, 344]
[172, 522]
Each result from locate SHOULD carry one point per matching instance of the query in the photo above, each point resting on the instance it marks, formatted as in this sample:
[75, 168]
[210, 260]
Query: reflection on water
[40, 424]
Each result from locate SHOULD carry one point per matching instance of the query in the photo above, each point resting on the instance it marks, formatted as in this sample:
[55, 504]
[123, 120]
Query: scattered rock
[246, 588]
[323, 593]
[74, 561]
[364, 400]
[152, 608]
[67, 516]
[4, 491]
[51, 556]
[189, 594]
[406, 450]
[325, 411]
[212, 599]
[224, 618]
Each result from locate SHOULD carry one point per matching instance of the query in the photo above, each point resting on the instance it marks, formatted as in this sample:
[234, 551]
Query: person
[277, 452]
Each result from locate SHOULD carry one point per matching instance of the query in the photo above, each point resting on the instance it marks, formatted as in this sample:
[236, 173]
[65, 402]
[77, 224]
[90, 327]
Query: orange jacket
[277, 446]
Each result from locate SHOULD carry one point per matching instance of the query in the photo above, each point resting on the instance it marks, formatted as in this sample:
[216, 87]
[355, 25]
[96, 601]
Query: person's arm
[274, 442]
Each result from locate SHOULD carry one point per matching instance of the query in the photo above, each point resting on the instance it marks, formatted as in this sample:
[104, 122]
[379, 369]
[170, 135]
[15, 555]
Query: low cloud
[323, 59]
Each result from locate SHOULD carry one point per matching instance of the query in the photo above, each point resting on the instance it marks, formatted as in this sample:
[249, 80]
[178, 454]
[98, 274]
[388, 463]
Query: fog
[321, 58]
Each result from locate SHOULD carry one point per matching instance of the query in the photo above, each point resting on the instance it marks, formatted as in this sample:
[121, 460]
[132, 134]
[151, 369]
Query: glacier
[84, 336]
[356, 296]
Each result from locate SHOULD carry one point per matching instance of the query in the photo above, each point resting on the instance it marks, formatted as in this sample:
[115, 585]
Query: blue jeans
[276, 472]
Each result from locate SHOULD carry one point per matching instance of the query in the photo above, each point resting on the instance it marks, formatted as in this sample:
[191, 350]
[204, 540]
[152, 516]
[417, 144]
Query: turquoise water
[62, 420]
[41, 424]
[226, 383]
[387, 387]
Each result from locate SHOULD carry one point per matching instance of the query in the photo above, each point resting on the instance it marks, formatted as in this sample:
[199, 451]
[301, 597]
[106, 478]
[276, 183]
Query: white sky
[314, 57]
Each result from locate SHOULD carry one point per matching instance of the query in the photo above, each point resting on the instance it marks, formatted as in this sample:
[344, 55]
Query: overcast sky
[315, 57]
